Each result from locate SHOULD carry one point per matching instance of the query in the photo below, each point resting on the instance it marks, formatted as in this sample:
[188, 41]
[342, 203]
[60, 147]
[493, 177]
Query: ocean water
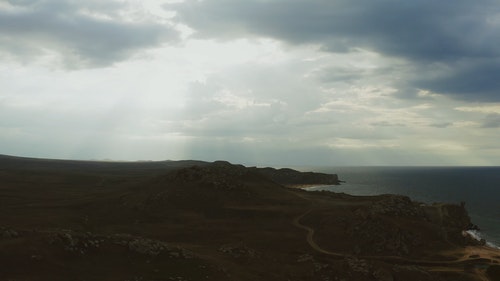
[479, 187]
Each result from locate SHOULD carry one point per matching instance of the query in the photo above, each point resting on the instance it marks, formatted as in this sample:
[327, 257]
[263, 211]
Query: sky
[256, 82]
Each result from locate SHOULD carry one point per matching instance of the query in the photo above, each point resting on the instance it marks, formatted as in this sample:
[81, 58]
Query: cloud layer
[452, 46]
[267, 82]
[78, 33]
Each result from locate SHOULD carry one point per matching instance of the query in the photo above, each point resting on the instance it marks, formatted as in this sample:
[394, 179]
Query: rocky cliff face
[449, 221]
[453, 219]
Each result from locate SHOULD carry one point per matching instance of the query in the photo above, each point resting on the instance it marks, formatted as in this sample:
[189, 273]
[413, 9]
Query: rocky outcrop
[397, 205]
[83, 243]
[8, 233]
[283, 176]
[449, 215]
[375, 228]
[453, 220]
[292, 177]
[376, 236]
[238, 251]
[150, 247]
[358, 265]
[218, 175]
[77, 243]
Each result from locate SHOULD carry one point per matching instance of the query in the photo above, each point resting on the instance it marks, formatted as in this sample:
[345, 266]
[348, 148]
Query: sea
[478, 187]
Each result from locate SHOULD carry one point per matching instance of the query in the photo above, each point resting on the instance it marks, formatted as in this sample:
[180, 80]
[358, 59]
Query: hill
[193, 220]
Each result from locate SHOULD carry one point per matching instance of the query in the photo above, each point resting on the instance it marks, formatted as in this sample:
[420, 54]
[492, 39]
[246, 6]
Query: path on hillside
[466, 259]
[310, 235]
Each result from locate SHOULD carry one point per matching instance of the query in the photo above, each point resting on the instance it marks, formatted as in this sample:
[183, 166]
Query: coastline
[477, 235]
[477, 186]
[304, 186]
[473, 234]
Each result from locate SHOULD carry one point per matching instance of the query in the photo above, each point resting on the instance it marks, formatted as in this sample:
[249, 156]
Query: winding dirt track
[310, 235]
[391, 259]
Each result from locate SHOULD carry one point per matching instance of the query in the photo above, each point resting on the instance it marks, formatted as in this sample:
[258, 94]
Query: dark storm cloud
[84, 33]
[473, 80]
[426, 33]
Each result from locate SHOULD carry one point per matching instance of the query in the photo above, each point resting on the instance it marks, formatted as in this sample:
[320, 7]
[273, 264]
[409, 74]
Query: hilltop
[194, 220]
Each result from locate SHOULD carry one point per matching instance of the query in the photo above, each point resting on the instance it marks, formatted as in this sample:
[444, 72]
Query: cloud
[491, 121]
[233, 111]
[475, 80]
[315, 82]
[78, 33]
[495, 108]
[455, 42]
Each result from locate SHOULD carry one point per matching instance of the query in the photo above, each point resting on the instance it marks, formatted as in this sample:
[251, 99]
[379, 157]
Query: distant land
[195, 220]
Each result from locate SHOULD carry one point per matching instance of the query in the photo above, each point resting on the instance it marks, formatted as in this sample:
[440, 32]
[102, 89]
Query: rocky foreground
[191, 220]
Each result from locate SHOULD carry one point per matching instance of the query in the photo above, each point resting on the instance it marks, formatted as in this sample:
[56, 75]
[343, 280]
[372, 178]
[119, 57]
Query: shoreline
[476, 235]
[304, 186]
[473, 234]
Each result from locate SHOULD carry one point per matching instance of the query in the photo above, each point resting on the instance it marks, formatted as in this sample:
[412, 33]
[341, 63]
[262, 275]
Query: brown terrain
[191, 220]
